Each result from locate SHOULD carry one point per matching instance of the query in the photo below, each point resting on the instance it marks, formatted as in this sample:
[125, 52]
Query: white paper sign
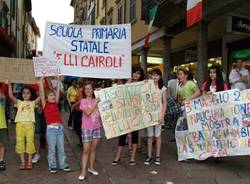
[218, 126]
[97, 51]
[45, 67]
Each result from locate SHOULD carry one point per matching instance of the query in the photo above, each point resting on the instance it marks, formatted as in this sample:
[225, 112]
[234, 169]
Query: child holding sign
[215, 81]
[155, 131]
[55, 135]
[25, 124]
[91, 132]
[137, 75]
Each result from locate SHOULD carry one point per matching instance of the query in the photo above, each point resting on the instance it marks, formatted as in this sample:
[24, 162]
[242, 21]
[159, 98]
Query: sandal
[29, 165]
[22, 166]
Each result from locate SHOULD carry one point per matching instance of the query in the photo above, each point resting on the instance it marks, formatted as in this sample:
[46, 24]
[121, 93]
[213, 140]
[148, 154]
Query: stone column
[202, 51]
[166, 58]
[144, 55]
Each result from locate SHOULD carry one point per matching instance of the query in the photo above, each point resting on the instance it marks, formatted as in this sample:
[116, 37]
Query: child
[215, 81]
[91, 132]
[55, 136]
[25, 124]
[155, 131]
[137, 75]
[3, 129]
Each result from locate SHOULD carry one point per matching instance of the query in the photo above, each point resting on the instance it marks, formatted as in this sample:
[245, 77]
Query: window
[110, 17]
[119, 16]
[13, 8]
[103, 3]
[97, 8]
[4, 18]
[132, 14]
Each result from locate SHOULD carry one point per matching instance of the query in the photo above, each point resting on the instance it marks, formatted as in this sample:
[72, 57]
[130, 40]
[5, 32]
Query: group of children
[90, 127]
[25, 126]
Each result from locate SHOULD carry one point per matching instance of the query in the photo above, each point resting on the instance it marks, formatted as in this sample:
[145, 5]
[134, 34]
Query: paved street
[230, 171]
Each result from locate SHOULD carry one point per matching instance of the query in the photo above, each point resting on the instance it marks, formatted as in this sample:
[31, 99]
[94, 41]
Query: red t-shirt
[52, 113]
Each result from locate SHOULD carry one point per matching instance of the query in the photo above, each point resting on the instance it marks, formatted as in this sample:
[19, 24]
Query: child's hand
[162, 118]
[98, 100]
[42, 80]
[58, 78]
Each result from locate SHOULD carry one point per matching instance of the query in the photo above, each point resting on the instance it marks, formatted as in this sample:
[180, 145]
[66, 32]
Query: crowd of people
[35, 109]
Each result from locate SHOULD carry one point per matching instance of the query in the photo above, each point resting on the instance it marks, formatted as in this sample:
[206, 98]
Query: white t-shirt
[160, 96]
[235, 76]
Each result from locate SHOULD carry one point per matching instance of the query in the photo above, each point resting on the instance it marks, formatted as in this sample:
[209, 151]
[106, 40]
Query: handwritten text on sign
[17, 70]
[45, 67]
[218, 126]
[90, 51]
[129, 107]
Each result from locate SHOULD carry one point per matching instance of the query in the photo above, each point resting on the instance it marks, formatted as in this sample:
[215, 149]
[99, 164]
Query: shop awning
[242, 54]
[6, 38]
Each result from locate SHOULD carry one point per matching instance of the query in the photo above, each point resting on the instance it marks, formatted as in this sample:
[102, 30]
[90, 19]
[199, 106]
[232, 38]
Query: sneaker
[148, 160]
[81, 177]
[53, 170]
[67, 169]
[132, 163]
[93, 172]
[157, 161]
[36, 158]
[2, 165]
[114, 163]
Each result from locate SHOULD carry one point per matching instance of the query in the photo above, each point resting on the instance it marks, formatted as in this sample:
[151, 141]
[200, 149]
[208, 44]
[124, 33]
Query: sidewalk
[232, 170]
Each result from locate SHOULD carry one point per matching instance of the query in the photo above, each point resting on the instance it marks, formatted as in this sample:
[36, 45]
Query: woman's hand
[161, 117]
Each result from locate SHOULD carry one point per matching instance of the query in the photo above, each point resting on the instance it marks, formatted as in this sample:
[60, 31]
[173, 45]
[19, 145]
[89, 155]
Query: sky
[58, 11]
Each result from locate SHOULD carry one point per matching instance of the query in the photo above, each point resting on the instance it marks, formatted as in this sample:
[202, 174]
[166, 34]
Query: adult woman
[187, 90]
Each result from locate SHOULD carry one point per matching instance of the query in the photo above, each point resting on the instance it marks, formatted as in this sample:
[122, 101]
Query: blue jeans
[55, 139]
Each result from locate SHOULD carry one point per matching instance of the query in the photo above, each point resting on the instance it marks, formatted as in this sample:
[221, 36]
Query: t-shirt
[235, 76]
[52, 113]
[160, 97]
[2, 113]
[25, 111]
[172, 87]
[186, 91]
[72, 92]
[212, 87]
[92, 121]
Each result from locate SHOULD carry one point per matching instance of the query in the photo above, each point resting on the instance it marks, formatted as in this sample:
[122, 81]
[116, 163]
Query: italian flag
[194, 12]
[152, 13]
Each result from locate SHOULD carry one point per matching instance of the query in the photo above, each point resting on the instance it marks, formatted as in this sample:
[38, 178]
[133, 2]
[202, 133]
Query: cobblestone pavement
[232, 170]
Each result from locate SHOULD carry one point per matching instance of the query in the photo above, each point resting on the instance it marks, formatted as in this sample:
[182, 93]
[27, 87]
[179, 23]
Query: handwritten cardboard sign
[218, 126]
[97, 51]
[45, 67]
[17, 70]
[129, 107]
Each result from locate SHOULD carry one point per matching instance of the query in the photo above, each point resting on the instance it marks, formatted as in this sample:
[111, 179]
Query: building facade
[15, 18]
[221, 35]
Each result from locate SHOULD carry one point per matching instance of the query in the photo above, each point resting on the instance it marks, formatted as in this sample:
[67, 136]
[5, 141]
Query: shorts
[154, 131]
[40, 126]
[89, 134]
[4, 136]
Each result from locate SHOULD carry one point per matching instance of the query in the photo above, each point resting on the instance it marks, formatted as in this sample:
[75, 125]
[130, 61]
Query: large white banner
[218, 126]
[97, 51]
